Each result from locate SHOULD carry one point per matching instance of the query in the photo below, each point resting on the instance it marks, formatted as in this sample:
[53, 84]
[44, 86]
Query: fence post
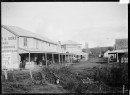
[13, 76]
[5, 73]
[123, 88]
[31, 74]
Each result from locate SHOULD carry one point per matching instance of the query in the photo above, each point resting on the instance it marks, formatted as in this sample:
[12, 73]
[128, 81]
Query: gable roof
[25, 33]
[70, 42]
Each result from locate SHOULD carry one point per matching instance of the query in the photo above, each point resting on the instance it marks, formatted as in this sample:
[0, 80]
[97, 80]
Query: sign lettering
[9, 43]
[6, 60]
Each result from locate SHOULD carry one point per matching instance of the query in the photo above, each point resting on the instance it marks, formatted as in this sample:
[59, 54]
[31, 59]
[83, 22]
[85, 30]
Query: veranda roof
[119, 51]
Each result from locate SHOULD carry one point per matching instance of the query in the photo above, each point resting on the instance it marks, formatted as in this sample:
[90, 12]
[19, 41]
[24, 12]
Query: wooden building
[75, 48]
[120, 53]
[22, 48]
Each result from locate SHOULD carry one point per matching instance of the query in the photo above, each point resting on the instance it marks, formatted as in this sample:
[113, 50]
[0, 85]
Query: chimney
[59, 42]
[86, 45]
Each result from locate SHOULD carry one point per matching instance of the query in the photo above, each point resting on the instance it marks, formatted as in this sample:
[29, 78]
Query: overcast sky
[96, 23]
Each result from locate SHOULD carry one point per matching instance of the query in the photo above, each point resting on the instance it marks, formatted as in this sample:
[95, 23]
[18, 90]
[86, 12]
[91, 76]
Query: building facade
[120, 52]
[24, 49]
[19, 44]
[75, 48]
[71, 46]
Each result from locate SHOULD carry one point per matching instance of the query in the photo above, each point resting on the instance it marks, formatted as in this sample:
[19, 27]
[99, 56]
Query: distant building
[106, 53]
[120, 51]
[86, 45]
[71, 46]
[75, 48]
[97, 51]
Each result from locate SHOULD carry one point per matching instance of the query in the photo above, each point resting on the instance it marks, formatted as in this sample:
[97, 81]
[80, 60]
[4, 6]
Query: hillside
[94, 52]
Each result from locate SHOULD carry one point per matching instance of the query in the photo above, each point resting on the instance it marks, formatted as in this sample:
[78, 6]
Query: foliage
[107, 77]
[112, 76]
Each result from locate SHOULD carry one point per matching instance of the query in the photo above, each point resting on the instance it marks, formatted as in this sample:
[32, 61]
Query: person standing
[24, 63]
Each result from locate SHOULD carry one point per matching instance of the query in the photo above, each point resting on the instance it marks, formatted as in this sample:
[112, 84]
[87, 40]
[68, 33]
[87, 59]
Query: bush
[112, 76]
[50, 77]
[14, 87]
[108, 77]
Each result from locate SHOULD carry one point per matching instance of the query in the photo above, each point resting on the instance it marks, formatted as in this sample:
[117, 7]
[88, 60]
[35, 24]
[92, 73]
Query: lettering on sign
[9, 50]
[8, 47]
[6, 60]
[8, 38]
[9, 43]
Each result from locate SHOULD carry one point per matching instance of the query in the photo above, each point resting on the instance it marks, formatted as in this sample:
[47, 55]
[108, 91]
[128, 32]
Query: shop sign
[6, 60]
[9, 43]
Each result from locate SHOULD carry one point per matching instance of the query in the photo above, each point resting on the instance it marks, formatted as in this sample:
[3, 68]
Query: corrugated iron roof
[71, 42]
[30, 50]
[119, 51]
[22, 32]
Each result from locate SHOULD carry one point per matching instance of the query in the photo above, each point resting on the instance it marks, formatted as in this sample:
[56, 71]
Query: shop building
[120, 52]
[75, 48]
[19, 45]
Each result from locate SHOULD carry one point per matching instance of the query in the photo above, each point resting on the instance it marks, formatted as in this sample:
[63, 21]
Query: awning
[27, 50]
[23, 50]
[52, 52]
[79, 53]
[119, 51]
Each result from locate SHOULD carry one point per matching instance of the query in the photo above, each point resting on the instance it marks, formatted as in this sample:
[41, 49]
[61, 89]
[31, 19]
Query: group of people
[42, 61]
[75, 60]
[22, 64]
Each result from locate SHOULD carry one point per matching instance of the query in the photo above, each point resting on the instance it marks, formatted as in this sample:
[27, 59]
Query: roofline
[122, 39]
[71, 44]
[43, 51]
[10, 30]
[24, 36]
[38, 39]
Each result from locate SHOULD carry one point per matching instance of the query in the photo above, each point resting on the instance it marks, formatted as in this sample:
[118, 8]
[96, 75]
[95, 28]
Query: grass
[70, 79]
[24, 84]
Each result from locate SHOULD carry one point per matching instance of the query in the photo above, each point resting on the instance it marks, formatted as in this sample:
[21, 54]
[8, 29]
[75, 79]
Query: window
[25, 41]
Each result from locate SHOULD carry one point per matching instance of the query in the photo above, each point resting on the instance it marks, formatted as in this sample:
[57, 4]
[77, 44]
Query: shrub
[50, 77]
[112, 76]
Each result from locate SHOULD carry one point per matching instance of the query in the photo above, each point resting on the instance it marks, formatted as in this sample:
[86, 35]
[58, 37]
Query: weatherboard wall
[38, 44]
[9, 50]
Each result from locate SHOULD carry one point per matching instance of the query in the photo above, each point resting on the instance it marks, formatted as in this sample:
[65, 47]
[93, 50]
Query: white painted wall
[73, 48]
[9, 54]
[21, 42]
[30, 43]
[38, 44]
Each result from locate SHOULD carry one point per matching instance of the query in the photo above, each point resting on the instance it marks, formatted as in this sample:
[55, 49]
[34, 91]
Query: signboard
[9, 49]
[9, 41]
[6, 60]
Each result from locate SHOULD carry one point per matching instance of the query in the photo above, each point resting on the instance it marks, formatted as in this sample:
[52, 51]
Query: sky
[95, 23]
